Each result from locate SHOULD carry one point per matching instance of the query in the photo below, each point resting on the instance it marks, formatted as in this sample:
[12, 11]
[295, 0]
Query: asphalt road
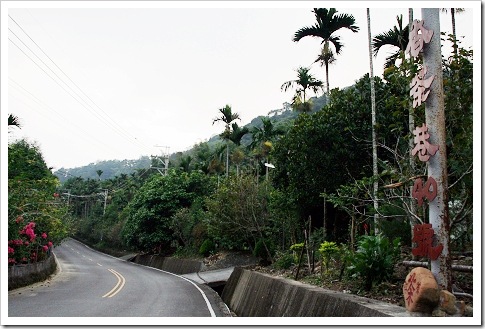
[93, 284]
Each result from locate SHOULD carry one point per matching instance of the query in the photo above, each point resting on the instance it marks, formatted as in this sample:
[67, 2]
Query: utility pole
[105, 194]
[165, 156]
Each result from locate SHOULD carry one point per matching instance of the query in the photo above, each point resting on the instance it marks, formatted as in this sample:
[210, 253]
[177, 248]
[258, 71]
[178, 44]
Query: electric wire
[40, 103]
[110, 123]
[113, 122]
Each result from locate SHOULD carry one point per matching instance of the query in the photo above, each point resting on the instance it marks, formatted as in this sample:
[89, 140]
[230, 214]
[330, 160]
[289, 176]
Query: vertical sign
[435, 121]
[429, 139]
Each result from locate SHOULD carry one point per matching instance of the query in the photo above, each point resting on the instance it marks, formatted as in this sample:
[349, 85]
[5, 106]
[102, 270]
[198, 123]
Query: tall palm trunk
[412, 204]
[327, 62]
[455, 46]
[227, 158]
[374, 137]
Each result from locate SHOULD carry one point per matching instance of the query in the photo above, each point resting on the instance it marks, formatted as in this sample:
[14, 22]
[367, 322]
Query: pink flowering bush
[38, 217]
[28, 247]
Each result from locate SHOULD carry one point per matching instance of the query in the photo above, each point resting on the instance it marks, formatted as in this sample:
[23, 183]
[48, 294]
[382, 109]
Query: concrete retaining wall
[254, 294]
[173, 265]
[23, 275]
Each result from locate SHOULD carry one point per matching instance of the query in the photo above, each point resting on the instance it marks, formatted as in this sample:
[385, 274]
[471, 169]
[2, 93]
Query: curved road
[92, 284]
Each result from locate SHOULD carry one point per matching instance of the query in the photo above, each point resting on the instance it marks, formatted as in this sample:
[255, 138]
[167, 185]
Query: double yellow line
[119, 284]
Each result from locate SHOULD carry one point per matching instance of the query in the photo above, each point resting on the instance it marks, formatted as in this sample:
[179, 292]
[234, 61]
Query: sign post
[437, 167]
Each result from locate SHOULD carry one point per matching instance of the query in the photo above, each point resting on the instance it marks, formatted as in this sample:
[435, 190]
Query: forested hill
[107, 169]
[110, 168]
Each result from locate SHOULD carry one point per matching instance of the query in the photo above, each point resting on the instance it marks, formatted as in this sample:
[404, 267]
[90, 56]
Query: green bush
[328, 250]
[261, 251]
[374, 259]
[207, 248]
[284, 260]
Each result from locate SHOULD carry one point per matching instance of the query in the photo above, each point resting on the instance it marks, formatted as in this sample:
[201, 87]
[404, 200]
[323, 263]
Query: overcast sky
[115, 80]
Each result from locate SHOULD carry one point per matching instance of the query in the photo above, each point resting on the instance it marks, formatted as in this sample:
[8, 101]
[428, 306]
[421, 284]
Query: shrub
[284, 260]
[260, 250]
[207, 248]
[328, 250]
[374, 259]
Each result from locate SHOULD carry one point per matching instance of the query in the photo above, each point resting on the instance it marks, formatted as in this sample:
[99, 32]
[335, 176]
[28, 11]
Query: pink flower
[26, 243]
[19, 219]
[11, 261]
[10, 250]
[44, 235]
[49, 244]
[30, 233]
[45, 248]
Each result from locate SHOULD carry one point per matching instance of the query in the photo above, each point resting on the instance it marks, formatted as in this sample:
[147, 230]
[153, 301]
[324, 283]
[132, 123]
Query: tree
[453, 25]
[99, 172]
[149, 214]
[397, 37]
[374, 138]
[238, 214]
[262, 139]
[37, 217]
[237, 133]
[13, 121]
[227, 117]
[326, 58]
[25, 161]
[304, 82]
[328, 23]
[267, 132]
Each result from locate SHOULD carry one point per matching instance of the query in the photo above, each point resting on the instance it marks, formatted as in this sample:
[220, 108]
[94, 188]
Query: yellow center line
[119, 285]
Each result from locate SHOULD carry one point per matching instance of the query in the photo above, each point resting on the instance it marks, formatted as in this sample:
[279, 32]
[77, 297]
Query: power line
[40, 103]
[109, 122]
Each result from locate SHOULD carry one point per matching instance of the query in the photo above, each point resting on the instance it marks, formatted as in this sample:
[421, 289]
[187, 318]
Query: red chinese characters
[424, 148]
[428, 191]
[417, 39]
[420, 87]
[423, 236]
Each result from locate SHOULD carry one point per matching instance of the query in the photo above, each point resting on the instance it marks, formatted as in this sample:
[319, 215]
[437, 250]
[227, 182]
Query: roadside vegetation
[297, 193]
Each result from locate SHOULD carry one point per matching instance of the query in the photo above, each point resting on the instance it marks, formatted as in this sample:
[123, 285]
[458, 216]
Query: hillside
[109, 168]
[112, 168]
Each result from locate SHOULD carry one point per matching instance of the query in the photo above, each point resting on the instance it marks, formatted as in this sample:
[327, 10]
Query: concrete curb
[254, 294]
[24, 275]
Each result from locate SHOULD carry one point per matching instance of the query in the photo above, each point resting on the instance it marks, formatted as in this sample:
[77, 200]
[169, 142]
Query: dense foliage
[151, 212]
[37, 217]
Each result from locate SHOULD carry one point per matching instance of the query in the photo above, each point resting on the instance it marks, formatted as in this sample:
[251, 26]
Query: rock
[437, 312]
[420, 290]
[448, 302]
[460, 307]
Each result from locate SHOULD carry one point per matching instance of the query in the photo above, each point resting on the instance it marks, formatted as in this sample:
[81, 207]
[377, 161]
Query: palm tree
[305, 81]
[13, 121]
[374, 137]
[326, 58]
[328, 22]
[267, 133]
[262, 139]
[237, 133]
[453, 27]
[227, 117]
[397, 37]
